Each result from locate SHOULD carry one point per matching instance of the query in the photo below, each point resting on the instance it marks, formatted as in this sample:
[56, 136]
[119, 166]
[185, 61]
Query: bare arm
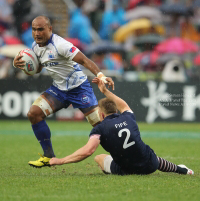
[87, 63]
[121, 104]
[40, 68]
[78, 155]
[90, 65]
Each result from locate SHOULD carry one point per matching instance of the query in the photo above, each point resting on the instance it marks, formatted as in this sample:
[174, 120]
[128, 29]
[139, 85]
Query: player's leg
[45, 105]
[91, 114]
[99, 159]
[108, 165]
[166, 166]
[83, 97]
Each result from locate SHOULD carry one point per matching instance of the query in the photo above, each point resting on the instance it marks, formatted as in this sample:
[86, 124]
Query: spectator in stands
[109, 61]
[94, 9]
[26, 36]
[80, 26]
[188, 31]
[21, 9]
[112, 20]
[6, 18]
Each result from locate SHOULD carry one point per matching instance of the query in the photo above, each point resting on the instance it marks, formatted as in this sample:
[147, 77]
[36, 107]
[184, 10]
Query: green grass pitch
[178, 143]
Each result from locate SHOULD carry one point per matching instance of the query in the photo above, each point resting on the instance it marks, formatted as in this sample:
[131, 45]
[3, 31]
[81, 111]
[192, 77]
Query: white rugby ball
[31, 61]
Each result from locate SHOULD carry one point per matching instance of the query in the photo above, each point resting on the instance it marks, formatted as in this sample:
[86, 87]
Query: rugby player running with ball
[70, 85]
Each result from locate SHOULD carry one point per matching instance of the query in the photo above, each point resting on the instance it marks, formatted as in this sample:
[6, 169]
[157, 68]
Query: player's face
[41, 31]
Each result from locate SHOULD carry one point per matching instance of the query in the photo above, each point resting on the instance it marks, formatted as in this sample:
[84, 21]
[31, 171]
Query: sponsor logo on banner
[160, 100]
[154, 102]
[156, 95]
[14, 104]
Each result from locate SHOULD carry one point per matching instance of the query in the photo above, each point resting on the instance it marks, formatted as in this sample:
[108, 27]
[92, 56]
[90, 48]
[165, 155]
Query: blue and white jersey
[57, 57]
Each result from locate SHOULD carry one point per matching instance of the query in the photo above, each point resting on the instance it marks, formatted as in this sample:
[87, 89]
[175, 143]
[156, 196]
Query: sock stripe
[170, 167]
[166, 166]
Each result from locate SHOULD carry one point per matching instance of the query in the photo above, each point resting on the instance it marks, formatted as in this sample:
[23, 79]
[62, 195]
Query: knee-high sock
[43, 134]
[166, 166]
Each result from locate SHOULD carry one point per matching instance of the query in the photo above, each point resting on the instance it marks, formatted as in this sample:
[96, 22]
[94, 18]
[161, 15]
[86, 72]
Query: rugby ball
[31, 61]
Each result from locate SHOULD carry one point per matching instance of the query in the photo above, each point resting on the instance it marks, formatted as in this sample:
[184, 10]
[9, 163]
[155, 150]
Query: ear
[50, 28]
[103, 115]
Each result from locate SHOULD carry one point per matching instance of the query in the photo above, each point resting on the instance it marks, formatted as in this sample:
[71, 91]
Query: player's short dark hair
[107, 105]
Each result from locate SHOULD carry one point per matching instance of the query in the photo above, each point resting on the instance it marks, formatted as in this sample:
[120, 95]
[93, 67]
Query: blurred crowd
[134, 40]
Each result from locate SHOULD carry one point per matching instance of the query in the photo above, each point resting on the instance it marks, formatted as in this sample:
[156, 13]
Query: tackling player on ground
[119, 135]
[70, 85]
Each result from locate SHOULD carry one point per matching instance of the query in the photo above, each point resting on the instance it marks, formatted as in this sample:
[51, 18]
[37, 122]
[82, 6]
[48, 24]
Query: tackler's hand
[106, 80]
[100, 83]
[55, 161]
[110, 83]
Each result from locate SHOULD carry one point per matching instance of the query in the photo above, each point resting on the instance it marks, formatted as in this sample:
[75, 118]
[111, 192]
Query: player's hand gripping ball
[31, 61]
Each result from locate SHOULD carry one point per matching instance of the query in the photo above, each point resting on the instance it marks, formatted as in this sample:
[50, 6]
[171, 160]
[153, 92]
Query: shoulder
[61, 44]
[128, 113]
[59, 41]
[96, 130]
[34, 44]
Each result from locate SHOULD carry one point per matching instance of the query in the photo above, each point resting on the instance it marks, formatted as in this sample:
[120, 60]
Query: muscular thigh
[48, 104]
[91, 114]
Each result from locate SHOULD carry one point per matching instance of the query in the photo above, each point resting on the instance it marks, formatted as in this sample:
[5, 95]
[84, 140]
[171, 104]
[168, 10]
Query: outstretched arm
[121, 104]
[90, 65]
[78, 155]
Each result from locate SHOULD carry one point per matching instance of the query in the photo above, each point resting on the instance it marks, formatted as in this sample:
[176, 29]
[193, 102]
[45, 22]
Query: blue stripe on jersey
[74, 82]
[77, 67]
[69, 77]
[51, 41]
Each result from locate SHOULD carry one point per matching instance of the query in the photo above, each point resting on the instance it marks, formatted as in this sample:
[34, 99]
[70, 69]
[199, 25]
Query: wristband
[100, 74]
[102, 77]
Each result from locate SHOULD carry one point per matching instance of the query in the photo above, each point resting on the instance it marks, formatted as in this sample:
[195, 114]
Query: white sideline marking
[146, 134]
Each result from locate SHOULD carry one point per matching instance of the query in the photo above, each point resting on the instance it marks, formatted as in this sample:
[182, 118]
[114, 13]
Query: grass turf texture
[179, 143]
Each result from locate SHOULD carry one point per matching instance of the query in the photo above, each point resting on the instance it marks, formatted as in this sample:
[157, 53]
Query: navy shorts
[80, 97]
[149, 167]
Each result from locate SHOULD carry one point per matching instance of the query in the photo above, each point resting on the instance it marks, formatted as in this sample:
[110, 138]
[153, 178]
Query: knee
[97, 158]
[35, 114]
[93, 117]
[100, 158]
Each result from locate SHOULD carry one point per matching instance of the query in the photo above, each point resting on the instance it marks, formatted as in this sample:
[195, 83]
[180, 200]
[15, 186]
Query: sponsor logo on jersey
[85, 99]
[72, 49]
[51, 55]
[49, 64]
[29, 66]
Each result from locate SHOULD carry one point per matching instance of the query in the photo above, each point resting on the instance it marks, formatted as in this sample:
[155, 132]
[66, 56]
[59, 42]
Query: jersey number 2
[128, 133]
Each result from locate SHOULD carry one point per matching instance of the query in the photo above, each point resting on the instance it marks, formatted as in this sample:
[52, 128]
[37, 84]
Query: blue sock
[43, 134]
